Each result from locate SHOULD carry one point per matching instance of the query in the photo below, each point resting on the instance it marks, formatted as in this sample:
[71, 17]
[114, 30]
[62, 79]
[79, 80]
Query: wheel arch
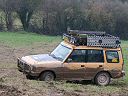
[48, 71]
[101, 72]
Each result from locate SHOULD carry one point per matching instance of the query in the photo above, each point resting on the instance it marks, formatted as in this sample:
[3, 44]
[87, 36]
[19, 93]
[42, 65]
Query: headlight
[33, 68]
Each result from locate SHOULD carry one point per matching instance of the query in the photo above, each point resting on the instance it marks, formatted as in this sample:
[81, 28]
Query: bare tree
[8, 7]
[25, 9]
[61, 14]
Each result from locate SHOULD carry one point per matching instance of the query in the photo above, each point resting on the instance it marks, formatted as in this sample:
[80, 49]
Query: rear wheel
[47, 76]
[102, 79]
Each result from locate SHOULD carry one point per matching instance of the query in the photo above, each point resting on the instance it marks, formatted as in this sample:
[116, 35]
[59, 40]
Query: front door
[74, 67]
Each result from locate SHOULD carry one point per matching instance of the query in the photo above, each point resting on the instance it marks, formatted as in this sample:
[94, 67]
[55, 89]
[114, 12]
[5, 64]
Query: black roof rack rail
[92, 38]
[86, 32]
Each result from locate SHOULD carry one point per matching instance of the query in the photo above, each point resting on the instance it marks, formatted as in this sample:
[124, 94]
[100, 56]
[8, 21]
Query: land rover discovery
[75, 62]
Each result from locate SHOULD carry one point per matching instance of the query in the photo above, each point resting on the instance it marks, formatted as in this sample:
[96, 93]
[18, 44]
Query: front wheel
[102, 79]
[47, 76]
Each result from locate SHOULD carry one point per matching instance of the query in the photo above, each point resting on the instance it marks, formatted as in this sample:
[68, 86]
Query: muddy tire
[47, 76]
[102, 79]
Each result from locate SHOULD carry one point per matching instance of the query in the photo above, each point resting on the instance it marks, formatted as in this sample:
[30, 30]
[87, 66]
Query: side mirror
[69, 60]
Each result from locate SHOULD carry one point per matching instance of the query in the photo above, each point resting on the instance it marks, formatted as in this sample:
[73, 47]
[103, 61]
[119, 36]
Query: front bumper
[25, 68]
[123, 73]
[22, 66]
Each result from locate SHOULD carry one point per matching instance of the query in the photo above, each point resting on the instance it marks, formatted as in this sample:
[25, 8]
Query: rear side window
[95, 56]
[112, 56]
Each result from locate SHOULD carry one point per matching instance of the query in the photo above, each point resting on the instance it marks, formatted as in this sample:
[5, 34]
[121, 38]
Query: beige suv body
[70, 62]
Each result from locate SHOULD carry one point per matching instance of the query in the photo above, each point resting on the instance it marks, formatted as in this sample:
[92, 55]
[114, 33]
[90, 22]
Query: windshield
[61, 52]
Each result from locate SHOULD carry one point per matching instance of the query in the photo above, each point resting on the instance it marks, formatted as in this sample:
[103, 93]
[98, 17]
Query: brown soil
[9, 91]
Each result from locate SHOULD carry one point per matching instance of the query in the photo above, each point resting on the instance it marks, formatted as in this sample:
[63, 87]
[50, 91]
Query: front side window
[78, 56]
[95, 56]
[61, 52]
[112, 56]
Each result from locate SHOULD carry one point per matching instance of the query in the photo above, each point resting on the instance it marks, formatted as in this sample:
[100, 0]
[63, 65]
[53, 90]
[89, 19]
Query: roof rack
[86, 32]
[92, 38]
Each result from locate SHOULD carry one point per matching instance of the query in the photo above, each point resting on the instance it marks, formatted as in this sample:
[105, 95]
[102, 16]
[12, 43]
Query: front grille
[23, 66]
[26, 67]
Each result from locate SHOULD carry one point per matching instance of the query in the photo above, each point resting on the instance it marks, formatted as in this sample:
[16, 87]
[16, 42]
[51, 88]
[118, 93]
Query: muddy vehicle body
[75, 62]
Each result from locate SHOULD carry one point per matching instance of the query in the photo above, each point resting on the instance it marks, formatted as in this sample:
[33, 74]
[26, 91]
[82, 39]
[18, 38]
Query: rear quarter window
[95, 56]
[112, 56]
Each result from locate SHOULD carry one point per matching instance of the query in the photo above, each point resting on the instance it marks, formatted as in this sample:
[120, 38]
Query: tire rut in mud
[9, 91]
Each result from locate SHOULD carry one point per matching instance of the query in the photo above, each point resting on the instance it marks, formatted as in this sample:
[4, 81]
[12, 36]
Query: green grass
[19, 39]
[124, 46]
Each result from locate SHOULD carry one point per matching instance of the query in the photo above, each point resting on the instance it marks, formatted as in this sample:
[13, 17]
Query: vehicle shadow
[83, 82]
[31, 77]
[113, 83]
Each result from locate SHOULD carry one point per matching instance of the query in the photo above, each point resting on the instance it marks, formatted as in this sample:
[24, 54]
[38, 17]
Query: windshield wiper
[53, 56]
[58, 58]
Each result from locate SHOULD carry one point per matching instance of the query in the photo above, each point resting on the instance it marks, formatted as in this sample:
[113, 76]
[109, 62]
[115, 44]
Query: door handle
[82, 66]
[100, 66]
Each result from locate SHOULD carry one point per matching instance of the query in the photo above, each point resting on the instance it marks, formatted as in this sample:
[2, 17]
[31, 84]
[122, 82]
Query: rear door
[95, 62]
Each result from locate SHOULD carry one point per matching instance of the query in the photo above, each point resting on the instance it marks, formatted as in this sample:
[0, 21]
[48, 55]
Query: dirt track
[14, 83]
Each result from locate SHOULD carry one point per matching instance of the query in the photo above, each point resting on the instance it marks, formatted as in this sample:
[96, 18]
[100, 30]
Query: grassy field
[13, 45]
[21, 39]
[124, 46]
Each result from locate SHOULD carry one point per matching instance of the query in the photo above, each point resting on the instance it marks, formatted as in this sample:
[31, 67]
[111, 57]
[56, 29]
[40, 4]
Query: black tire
[102, 79]
[47, 76]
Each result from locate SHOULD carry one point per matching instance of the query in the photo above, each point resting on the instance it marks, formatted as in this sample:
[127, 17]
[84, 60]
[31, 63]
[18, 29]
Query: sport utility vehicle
[75, 60]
